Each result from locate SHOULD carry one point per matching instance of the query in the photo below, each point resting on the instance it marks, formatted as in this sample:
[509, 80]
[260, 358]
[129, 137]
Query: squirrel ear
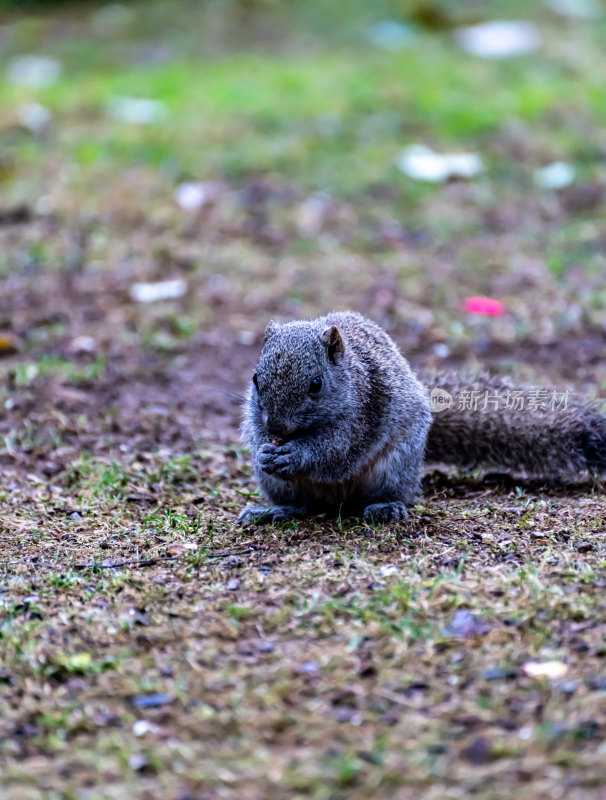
[271, 328]
[334, 344]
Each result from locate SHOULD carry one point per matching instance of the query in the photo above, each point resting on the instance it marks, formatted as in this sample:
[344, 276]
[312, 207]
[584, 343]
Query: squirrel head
[299, 378]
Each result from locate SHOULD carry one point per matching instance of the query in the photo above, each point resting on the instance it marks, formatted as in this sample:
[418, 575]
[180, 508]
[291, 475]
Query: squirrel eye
[255, 381]
[315, 385]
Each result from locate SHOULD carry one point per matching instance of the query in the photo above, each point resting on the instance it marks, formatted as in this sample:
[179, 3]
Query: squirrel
[337, 421]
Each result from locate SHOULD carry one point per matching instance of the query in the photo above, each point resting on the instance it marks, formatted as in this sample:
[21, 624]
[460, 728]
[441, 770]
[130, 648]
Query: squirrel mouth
[288, 437]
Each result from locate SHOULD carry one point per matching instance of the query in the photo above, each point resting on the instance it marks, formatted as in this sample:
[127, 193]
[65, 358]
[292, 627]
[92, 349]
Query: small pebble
[151, 700]
[137, 762]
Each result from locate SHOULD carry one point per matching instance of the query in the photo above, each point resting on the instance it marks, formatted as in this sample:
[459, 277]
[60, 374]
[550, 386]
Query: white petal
[421, 163]
[34, 117]
[30, 70]
[153, 292]
[192, 196]
[545, 669]
[498, 39]
[554, 176]
[581, 9]
[137, 110]
[390, 35]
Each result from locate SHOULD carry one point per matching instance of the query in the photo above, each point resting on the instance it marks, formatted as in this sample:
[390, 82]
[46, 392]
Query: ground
[149, 646]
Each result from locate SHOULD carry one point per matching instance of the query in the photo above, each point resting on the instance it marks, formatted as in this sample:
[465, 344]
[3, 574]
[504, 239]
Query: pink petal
[484, 305]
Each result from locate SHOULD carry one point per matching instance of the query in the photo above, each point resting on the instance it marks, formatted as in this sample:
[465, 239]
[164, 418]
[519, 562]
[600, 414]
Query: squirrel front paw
[277, 459]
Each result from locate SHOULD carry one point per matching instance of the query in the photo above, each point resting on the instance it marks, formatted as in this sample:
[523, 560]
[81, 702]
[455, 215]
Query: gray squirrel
[337, 422]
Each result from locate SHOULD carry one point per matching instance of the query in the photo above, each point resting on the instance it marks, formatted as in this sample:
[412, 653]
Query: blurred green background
[293, 117]
[303, 89]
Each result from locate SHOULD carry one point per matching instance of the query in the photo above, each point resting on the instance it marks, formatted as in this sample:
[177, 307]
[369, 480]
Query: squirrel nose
[278, 429]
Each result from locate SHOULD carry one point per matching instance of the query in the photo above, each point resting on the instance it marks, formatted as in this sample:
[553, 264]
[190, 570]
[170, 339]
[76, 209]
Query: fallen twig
[150, 562]
[142, 562]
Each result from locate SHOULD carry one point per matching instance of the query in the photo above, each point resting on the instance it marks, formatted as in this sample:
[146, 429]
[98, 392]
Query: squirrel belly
[337, 422]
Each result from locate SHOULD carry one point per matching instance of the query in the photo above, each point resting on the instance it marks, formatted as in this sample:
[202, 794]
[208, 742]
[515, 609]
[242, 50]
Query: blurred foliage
[321, 14]
[42, 5]
[300, 91]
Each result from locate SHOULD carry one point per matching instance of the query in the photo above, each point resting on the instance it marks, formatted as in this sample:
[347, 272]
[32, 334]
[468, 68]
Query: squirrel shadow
[454, 484]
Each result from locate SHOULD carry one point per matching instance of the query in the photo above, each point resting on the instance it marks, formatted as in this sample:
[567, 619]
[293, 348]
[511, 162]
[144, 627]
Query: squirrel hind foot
[266, 515]
[380, 513]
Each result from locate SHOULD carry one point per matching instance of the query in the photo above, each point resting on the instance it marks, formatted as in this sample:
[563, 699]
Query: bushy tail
[488, 422]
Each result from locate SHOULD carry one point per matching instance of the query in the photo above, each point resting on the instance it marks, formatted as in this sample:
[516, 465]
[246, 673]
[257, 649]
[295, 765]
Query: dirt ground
[151, 645]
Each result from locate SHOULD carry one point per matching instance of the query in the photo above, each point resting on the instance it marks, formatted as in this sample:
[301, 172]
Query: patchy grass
[315, 660]
[148, 646]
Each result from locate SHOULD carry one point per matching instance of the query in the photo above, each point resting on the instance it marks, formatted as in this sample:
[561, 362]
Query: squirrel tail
[488, 422]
